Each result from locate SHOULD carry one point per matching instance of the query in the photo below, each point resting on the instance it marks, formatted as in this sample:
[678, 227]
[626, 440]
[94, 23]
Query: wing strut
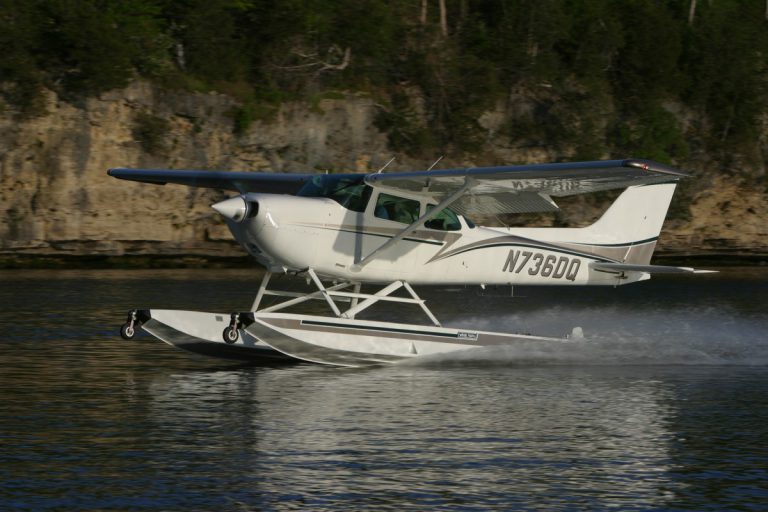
[357, 267]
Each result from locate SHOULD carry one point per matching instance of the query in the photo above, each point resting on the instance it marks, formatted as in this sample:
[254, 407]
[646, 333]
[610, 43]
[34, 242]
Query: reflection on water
[423, 437]
[662, 406]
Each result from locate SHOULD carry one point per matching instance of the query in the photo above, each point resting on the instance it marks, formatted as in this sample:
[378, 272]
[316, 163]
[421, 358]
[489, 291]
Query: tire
[230, 335]
[127, 332]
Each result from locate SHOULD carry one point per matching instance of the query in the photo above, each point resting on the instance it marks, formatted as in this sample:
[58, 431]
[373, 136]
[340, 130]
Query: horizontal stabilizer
[651, 269]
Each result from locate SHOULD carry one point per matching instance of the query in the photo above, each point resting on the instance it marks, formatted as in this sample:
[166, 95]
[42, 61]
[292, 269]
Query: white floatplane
[398, 229]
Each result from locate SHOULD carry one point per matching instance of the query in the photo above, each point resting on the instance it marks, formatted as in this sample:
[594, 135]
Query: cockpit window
[396, 208]
[349, 191]
[446, 220]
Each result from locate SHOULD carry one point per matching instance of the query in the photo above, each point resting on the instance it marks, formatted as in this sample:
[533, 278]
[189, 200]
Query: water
[662, 406]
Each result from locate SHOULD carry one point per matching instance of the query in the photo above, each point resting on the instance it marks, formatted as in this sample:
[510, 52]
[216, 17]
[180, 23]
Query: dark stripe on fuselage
[542, 246]
[549, 248]
[430, 242]
[546, 246]
[554, 248]
[356, 232]
[625, 244]
[381, 329]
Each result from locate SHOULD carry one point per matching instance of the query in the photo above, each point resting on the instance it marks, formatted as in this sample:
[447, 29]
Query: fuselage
[331, 234]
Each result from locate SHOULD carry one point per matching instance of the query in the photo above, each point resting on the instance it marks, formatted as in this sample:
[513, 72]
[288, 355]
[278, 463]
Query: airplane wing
[524, 188]
[487, 190]
[275, 183]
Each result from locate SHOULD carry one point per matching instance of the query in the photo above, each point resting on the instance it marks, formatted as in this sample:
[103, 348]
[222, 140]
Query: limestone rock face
[726, 218]
[55, 195]
[56, 198]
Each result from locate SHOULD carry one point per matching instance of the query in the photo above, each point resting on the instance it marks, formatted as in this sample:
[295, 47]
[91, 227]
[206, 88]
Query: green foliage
[209, 42]
[654, 134]
[20, 76]
[405, 129]
[645, 68]
[726, 64]
[151, 132]
[243, 117]
[597, 71]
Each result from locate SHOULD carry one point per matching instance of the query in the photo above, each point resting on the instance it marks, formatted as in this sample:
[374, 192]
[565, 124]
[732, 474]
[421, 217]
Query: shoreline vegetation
[52, 262]
[666, 80]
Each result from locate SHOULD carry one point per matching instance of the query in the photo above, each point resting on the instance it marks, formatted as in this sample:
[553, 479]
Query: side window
[396, 208]
[446, 220]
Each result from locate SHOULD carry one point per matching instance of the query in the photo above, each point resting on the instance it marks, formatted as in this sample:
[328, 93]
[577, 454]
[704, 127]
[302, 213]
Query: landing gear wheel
[230, 335]
[127, 332]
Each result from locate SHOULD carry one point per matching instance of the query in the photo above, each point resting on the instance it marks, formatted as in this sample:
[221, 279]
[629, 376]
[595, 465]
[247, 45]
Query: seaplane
[391, 231]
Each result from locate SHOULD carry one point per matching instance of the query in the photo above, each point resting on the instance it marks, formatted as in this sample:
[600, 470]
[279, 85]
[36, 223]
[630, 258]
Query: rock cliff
[56, 198]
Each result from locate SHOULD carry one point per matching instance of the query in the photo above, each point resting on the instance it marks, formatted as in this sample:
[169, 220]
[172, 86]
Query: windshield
[348, 190]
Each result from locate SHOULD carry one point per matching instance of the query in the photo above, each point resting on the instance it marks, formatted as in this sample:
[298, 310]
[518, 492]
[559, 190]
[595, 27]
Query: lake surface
[664, 405]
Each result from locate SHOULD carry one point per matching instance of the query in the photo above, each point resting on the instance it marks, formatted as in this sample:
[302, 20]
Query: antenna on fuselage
[434, 164]
[386, 164]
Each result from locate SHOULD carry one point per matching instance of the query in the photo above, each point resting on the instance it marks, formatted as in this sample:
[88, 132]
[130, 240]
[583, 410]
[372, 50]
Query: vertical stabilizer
[632, 223]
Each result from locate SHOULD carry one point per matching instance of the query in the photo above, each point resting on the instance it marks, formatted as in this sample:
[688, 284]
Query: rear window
[398, 209]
